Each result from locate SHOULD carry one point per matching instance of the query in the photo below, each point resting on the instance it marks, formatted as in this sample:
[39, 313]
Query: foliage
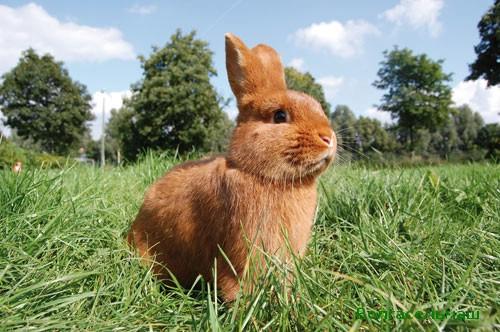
[489, 138]
[367, 141]
[468, 123]
[416, 92]
[305, 82]
[25, 143]
[445, 140]
[487, 63]
[43, 103]
[344, 125]
[402, 239]
[422, 141]
[120, 131]
[174, 106]
[373, 137]
[11, 153]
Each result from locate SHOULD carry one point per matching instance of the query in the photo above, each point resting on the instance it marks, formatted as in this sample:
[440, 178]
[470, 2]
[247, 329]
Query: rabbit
[212, 216]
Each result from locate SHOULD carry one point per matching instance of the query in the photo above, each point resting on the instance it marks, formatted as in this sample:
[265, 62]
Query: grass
[408, 240]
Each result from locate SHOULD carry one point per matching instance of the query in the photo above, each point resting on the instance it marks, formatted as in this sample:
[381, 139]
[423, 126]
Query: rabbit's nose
[326, 139]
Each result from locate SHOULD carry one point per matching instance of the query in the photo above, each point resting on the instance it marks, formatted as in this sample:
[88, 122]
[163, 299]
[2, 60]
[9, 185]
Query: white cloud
[232, 112]
[344, 40]
[111, 100]
[31, 26]
[142, 9]
[418, 14]
[331, 85]
[374, 113]
[297, 63]
[485, 101]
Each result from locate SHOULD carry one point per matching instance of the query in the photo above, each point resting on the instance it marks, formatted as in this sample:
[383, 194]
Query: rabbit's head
[281, 135]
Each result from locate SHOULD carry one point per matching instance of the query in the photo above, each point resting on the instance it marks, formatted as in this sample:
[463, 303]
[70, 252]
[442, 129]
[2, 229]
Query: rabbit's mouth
[318, 166]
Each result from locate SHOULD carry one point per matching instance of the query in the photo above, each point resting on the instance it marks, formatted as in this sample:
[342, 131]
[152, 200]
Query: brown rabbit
[261, 194]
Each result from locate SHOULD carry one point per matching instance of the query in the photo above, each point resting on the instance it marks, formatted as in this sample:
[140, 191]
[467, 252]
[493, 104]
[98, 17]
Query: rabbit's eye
[280, 116]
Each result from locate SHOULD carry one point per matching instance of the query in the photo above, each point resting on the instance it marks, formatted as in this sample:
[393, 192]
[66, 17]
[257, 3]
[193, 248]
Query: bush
[10, 153]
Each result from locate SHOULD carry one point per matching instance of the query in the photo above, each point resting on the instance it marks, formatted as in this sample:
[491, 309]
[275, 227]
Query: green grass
[401, 239]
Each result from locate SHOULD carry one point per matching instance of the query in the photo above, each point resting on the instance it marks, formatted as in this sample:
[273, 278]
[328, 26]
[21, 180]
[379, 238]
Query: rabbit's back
[180, 220]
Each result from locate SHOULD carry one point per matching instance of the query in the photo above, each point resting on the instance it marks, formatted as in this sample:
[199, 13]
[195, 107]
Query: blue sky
[339, 42]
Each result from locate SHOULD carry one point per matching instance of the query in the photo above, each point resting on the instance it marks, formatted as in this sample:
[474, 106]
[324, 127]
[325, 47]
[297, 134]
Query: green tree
[416, 92]
[43, 104]
[488, 138]
[372, 136]
[305, 82]
[24, 143]
[422, 141]
[344, 125]
[120, 131]
[487, 64]
[445, 141]
[89, 148]
[468, 124]
[174, 105]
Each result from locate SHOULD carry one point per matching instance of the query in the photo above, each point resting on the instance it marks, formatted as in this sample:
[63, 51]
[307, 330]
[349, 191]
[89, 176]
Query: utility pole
[103, 157]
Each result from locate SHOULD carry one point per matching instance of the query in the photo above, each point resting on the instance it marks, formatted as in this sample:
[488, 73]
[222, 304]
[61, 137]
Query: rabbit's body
[219, 213]
[260, 197]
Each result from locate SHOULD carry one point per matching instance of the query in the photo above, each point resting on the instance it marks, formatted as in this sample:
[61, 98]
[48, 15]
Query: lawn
[408, 240]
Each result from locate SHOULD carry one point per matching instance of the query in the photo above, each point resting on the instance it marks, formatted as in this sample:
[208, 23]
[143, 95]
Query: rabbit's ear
[238, 61]
[252, 71]
[273, 74]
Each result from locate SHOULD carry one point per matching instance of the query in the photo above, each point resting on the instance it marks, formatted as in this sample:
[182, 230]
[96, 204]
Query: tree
[43, 103]
[24, 143]
[120, 131]
[487, 64]
[344, 125]
[372, 136]
[174, 106]
[422, 141]
[305, 82]
[468, 124]
[446, 140]
[416, 92]
[488, 138]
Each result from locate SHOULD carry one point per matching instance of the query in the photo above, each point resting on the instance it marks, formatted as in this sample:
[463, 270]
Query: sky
[339, 42]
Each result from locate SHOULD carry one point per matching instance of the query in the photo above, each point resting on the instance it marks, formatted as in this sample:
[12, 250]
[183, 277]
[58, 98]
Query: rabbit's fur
[261, 193]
